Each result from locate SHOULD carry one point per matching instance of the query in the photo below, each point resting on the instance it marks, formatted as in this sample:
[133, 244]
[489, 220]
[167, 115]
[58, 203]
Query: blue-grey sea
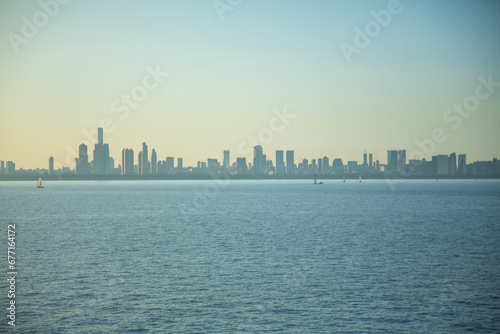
[414, 256]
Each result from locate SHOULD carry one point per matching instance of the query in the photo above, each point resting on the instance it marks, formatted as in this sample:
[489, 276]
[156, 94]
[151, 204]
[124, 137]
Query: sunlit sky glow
[227, 76]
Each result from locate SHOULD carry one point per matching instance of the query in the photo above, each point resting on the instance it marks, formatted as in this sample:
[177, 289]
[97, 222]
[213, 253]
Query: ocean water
[254, 256]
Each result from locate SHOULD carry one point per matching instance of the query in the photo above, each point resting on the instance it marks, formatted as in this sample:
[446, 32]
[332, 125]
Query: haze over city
[210, 77]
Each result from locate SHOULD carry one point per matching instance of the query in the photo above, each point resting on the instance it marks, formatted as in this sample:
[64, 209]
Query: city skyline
[262, 164]
[193, 81]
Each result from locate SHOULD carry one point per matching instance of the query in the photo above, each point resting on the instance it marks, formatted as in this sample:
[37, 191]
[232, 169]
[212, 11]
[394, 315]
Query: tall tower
[452, 162]
[127, 162]
[100, 139]
[82, 162]
[51, 165]
[392, 161]
[280, 163]
[226, 162]
[402, 161]
[101, 155]
[153, 162]
[145, 162]
[370, 160]
[290, 162]
[139, 163]
[258, 160]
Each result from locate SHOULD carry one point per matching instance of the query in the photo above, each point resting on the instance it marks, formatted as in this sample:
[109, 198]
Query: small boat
[315, 179]
[360, 179]
[39, 184]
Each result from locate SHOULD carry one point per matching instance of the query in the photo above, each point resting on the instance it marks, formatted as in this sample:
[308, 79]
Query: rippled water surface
[254, 256]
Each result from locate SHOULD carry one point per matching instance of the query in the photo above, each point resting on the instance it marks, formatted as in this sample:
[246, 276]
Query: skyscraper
[11, 167]
[146, 169]
[402, 161]
[338, 166]
[258, 160]
[370, 159]
[101, 155]
[51, 165]
[169, 164]
[226, 162]
[452, 164]
[179, 164]
[290, 162]
[440, 164]
[2, 166]
[82, 162]
[127, 162]
[100, 138]
[280, 163]
[392, 161]
[462, 164]
[326, 165]
[365, 162]
[241, 165]
[139, 163]
[153, 161]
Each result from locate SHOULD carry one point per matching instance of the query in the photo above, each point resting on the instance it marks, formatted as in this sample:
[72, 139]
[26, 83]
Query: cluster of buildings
[284, 164]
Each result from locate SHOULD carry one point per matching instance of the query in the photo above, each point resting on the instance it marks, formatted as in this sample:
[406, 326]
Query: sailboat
[343, 177]
[39, 184]
[360, 179]
[315, 180]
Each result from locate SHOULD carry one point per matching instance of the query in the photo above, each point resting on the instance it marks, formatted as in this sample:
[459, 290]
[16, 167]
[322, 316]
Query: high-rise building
[2, 166]
[82, 162]
[440, 164]
[241, 165]
[258, 160]
[326, 165]
[392, 161]
[370, 160]
[101, 155]
[462, 164]
[226, 162]
[179, 164]
[100, 138]
[452, 164]
[320, 165]
[169, 164]
[290, 162]
[365, 162]
[146, 168]
[402, 161]
[352, 166]
[305, 165]
[51, 165]
[280, 163]
[338, 166]
[314, 168]
[153, 161]
[139, 163]
[11, 167]
[127, 162]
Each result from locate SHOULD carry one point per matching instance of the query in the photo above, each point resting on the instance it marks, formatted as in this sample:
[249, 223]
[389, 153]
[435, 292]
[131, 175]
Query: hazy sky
[231, 64]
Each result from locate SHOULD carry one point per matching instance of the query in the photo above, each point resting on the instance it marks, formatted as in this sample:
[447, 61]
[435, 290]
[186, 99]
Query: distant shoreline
[185, 177]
